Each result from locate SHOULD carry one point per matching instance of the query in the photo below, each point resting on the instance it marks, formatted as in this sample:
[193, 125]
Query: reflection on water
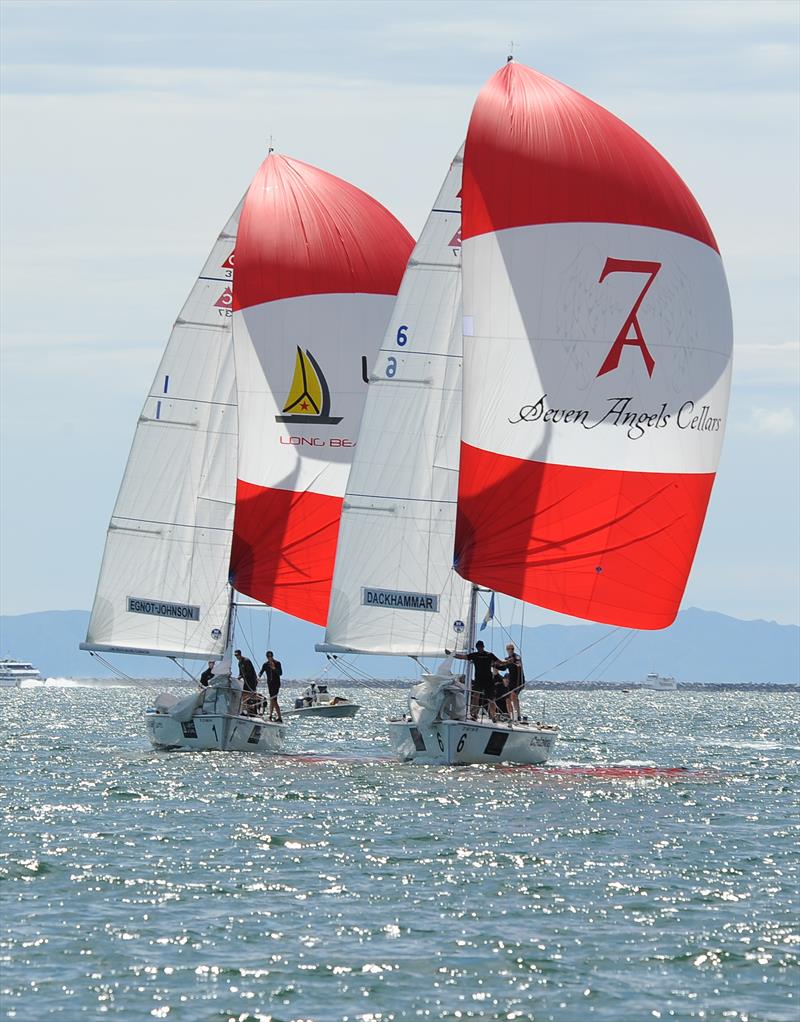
[648, 872]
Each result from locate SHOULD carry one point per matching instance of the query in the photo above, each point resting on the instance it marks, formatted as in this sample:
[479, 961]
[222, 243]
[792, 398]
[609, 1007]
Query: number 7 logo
[623, 338]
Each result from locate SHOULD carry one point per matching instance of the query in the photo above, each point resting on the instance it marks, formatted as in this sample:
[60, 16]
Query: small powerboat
[318, 702]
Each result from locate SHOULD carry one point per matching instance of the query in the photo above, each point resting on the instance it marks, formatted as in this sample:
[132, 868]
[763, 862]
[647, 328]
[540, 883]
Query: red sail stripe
[306, 232]
[538, 152]
[284, 546]
[610, 546]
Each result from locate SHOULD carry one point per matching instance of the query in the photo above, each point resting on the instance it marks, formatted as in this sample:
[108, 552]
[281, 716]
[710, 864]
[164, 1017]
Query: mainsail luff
[596, 359]
[163, 589]
[318, 266]
[394, 588]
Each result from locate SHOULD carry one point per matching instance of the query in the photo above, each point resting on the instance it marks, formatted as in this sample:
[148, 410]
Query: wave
[76, 683]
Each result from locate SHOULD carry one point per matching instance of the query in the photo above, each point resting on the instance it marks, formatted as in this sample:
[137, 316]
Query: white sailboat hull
[455, 742]
[223, 732]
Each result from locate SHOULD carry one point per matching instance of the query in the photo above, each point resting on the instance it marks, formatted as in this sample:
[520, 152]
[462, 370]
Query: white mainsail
[163, 586]
[394, 587]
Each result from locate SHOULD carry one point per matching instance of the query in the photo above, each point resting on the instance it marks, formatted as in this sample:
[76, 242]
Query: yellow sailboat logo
[309, 399]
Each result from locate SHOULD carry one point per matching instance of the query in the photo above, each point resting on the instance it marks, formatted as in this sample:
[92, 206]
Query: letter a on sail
[309, 397]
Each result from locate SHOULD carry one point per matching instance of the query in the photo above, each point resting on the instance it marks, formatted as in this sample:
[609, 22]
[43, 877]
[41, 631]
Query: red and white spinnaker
[597, 357]
[318, 265]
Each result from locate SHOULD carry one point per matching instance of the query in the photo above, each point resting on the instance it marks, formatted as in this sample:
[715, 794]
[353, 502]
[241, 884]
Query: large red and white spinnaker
[597, 359]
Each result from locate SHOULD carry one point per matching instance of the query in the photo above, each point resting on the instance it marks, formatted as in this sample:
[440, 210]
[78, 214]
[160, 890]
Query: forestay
[394, 587]
[318, 265]
[596, 359]
[163, 581]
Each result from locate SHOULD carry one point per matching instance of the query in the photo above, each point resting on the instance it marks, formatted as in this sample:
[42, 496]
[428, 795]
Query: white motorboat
[660, 683]
[318, 702]
[218, 497]
[14, 672]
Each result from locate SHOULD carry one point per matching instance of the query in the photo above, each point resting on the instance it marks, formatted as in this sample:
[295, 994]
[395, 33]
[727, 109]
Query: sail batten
[596, 359]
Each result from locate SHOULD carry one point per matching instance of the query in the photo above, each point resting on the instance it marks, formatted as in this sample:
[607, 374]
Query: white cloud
[770, 421]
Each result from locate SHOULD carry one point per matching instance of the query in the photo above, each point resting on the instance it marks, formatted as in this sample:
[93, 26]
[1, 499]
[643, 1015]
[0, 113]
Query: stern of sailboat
[462, 742]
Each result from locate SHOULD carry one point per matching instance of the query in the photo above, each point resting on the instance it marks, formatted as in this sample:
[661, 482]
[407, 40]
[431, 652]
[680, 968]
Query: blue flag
[489, 615]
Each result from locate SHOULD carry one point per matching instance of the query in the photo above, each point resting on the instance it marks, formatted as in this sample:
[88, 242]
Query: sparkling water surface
[332, 883]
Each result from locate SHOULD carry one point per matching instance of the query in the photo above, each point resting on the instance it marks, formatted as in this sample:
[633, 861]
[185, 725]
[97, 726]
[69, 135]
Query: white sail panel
[536, 354]
[394, 587]
[163, 583]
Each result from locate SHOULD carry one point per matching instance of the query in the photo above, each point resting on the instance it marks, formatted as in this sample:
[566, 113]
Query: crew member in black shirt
[207, 674]
[249, 679]
[483, 682]
[273, 671]
[515, 681]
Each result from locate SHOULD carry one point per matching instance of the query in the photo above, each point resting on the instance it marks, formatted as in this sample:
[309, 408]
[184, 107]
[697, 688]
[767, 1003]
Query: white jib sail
[394, 587]
[163, 582]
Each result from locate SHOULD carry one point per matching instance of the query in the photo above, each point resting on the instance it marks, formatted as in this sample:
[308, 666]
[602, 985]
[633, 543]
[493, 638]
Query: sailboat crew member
[273, 670]
[483, 684]
[514, 681]
[207, 675]
[249, 679]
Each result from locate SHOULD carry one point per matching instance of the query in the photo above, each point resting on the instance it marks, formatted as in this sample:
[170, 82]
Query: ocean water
[650, 872]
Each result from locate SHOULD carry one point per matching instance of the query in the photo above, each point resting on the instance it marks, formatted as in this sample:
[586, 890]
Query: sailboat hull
[455, 742]
[215, 731]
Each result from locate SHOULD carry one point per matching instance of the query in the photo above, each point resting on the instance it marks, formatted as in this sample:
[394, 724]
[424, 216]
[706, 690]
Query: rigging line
[623, 650]
[116, 671]
[573, 655]
[343, 668]
[358, 671]
[182, 668]
[321, 674]
[248, 645]
[619, 647]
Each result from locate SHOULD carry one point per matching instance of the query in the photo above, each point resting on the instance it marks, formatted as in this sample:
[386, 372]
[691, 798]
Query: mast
[231, 622]
[471, 621]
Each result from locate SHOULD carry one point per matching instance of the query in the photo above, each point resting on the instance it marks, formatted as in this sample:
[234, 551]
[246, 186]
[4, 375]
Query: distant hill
[702, 646]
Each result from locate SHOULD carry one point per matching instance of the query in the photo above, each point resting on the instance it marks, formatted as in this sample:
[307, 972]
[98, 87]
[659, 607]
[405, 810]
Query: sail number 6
[402, 336]
[391, 366]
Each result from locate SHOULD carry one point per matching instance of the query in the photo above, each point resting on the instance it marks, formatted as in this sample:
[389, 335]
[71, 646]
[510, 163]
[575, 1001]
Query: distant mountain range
[702, 646]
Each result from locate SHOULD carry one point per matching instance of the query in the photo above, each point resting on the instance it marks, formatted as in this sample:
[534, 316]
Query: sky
[129, 132]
